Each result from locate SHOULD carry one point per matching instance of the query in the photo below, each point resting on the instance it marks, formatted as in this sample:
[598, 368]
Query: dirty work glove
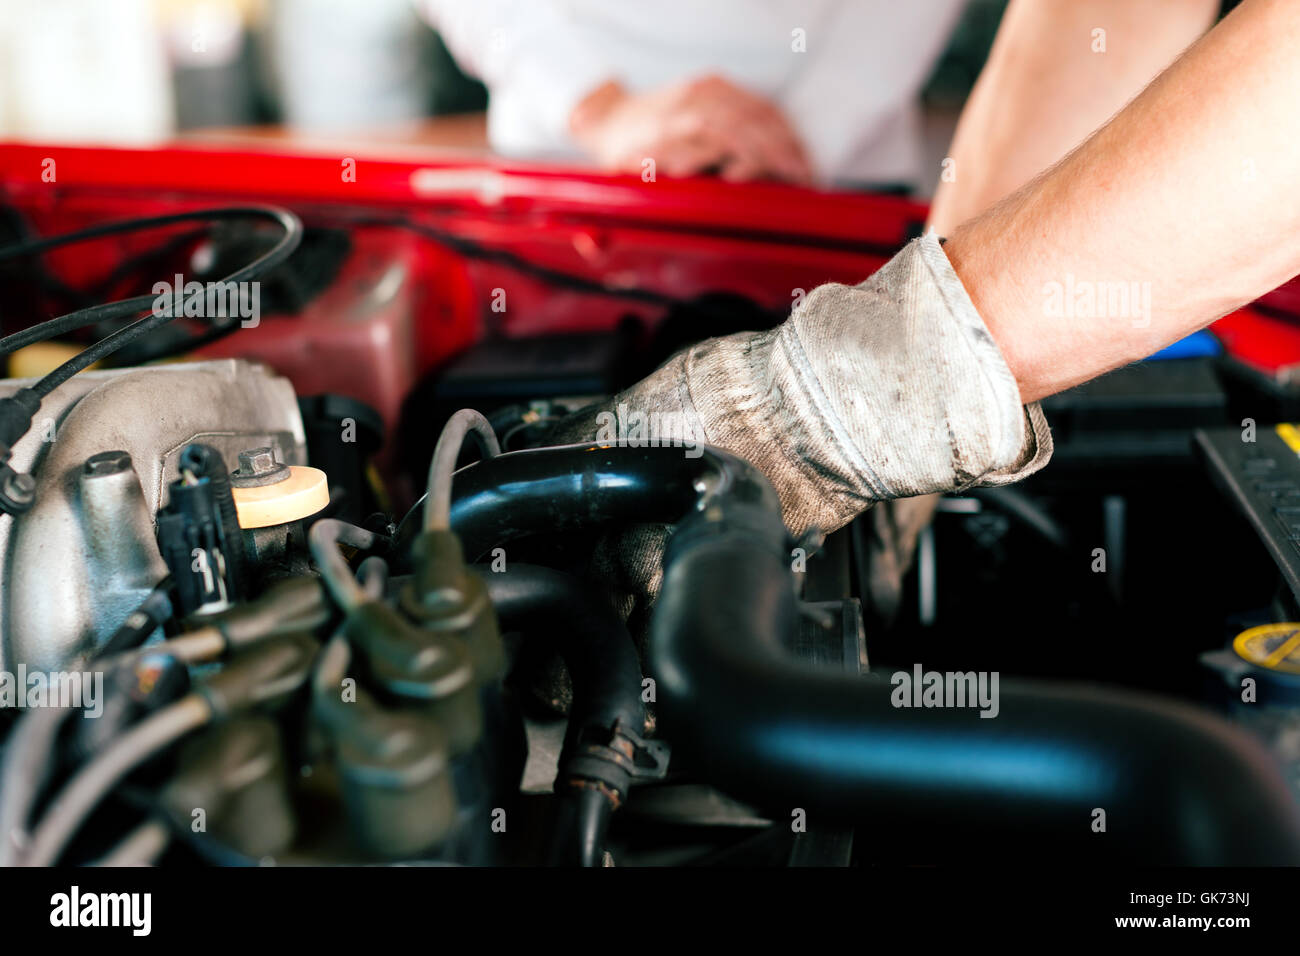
[887, 389]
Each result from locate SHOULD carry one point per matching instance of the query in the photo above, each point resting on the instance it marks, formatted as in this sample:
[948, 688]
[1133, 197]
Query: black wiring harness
[17, 489]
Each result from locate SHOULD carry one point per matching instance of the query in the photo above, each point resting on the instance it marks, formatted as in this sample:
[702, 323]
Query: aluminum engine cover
[75, 565]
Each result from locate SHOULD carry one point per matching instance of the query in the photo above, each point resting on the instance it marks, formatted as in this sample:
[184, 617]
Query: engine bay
[248, 616]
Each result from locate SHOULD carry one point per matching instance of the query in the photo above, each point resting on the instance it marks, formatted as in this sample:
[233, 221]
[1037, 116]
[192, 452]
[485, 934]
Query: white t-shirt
[846, 73]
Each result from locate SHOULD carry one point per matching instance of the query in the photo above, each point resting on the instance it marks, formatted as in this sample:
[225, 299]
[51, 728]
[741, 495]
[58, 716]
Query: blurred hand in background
[703, 125]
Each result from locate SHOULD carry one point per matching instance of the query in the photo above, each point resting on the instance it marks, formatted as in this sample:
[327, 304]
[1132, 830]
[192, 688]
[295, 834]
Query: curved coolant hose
[1177, 784]
[574, 487]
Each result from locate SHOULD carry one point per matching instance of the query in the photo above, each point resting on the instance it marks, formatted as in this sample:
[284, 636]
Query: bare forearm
[1188, 197]
[1049, 53]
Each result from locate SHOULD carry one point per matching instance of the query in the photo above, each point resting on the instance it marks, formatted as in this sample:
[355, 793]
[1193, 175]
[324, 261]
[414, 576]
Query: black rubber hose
[582, 817]
[546, 490]
[594, 642]
[606, 672]
[1176, 784]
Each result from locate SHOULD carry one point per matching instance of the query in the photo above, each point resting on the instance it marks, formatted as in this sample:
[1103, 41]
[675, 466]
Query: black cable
[125, 308]
[19, 409]
[51, 285]
[31, 247]
[469, 248]
[475, 250]
[82, 318]
[88, 316]
[557, 277]
[146, 262]
[186, 345]
[111, 343]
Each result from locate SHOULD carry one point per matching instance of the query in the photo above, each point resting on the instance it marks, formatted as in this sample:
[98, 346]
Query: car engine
[307, 598]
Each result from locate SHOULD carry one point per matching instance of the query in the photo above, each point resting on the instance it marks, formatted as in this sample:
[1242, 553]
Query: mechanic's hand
[892, 388]
[703, 125]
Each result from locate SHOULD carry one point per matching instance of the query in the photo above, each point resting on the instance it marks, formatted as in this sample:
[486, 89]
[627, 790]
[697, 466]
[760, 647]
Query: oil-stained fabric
[889, 389]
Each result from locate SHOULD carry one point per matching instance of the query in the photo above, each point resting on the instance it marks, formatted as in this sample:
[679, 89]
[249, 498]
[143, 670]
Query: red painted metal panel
[680, 237]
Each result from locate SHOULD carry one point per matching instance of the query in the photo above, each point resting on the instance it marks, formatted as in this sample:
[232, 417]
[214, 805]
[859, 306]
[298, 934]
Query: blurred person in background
[807, 91]
[801, 90]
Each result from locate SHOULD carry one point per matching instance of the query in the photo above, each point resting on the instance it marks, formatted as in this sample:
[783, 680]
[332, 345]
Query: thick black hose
[582, 817]
[573, 487]
[602, 661]
[1176, 784]
[594, 642]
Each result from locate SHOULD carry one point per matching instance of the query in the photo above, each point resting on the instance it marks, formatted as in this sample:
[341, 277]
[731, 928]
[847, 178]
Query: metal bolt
[257, 466]
[258, 461]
